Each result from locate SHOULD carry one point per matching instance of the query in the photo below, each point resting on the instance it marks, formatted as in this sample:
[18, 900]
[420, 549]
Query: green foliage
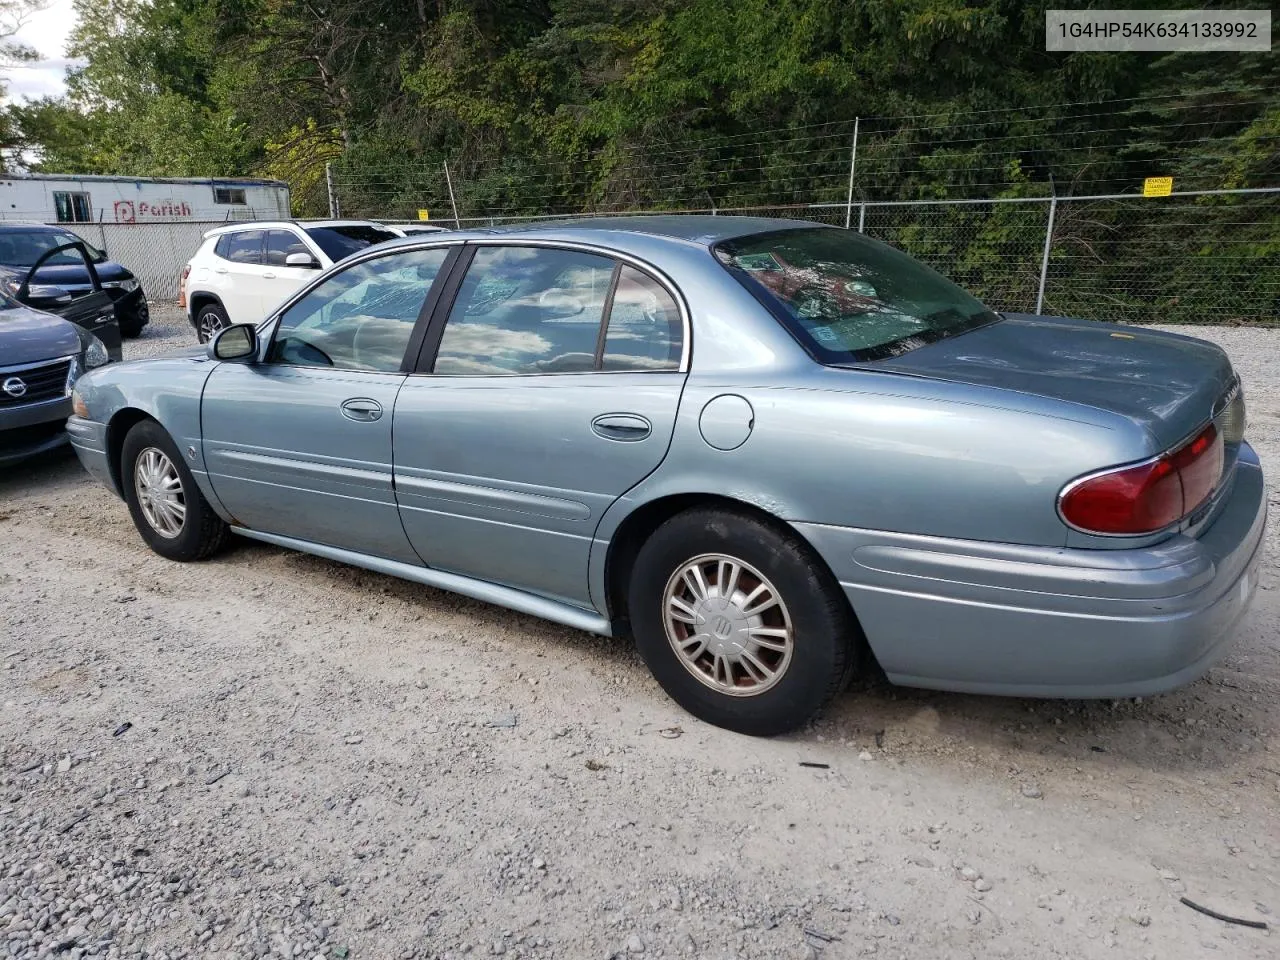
[562, 106]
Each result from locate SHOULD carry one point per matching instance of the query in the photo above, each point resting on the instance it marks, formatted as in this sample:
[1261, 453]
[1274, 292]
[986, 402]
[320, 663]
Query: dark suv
[22, 244]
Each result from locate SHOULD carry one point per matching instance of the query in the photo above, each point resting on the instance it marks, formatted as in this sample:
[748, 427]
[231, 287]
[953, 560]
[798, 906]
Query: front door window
[361, 318]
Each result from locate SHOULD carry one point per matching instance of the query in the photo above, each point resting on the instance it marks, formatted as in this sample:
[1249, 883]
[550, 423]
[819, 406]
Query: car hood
[1167, 383]
[29, 336]
[70, 274]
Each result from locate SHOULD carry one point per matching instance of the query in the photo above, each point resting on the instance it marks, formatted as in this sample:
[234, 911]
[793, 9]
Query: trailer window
[73, 207]
[229, 195]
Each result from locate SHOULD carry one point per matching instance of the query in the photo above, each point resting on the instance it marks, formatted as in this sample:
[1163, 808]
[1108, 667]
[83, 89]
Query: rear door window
[645, 331]
[526, 310]
[245, 246]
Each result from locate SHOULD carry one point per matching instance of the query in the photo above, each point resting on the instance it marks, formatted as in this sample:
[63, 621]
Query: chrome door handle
[624, 427]
[362, 409]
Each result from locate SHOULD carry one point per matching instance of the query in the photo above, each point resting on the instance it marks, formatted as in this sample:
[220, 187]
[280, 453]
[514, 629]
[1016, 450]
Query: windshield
[849, 298]
[342, 241]
[22, 248]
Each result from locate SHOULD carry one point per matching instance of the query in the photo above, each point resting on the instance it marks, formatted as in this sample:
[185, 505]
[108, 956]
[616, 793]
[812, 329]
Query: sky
[47, 31]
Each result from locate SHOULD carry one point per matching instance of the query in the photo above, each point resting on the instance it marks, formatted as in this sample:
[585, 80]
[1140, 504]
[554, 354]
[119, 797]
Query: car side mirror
[39, 294]
[302, 260]
[238, 343]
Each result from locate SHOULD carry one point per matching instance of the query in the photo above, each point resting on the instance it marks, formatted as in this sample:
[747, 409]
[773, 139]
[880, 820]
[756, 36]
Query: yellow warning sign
[426, 214]
[1157, 186]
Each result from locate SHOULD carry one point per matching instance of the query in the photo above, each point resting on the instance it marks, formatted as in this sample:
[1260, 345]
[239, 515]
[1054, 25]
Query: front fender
[167, 390]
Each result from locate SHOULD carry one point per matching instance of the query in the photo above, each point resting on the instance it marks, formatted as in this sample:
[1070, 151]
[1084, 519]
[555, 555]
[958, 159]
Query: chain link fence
[155, 251]
[1211, 257]
[1200, 257]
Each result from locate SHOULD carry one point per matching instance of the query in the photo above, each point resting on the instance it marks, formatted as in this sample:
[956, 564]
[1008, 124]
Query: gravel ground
[274, 755]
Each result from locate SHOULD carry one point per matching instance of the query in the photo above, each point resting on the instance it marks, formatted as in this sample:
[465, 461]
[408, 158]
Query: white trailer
[59, 198]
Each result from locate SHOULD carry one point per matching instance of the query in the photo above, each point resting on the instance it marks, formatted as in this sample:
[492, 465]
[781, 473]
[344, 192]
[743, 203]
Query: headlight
[95, 352]
[128, 286]
[78, 405]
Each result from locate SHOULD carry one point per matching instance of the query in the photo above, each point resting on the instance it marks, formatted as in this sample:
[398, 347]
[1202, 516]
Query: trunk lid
[1168, 383]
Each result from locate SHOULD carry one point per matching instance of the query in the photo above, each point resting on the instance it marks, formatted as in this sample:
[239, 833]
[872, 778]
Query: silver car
[768, 450]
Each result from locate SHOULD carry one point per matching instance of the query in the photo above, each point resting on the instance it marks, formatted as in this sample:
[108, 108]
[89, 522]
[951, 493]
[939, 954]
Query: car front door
[299, 444]
[281, 279]
[92, 309]
[547, 388]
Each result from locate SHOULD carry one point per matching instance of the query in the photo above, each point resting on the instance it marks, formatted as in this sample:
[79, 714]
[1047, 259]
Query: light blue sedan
[768, 450]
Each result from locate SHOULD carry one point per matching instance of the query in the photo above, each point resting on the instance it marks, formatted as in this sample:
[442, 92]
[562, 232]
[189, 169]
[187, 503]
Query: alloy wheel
[210, 324]
[728, 625]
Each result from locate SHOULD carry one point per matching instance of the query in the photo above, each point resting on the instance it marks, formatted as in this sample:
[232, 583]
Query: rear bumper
[1045, 622]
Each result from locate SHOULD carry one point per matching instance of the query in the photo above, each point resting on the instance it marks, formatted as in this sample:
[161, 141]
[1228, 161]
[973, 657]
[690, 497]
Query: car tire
[167, 507]
[210, 320]
[801, 614]
[131, 326]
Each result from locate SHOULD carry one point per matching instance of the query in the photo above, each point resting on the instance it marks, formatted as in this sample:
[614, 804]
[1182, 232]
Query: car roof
[697, 228]
[700, 230]
[275, 224]
[28, 225]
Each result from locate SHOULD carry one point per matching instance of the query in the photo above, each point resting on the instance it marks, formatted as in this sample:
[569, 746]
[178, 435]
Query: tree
[14, 15]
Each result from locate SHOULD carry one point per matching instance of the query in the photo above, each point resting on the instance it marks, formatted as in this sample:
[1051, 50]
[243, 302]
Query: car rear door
[548, 387]
[237, 275]
[299, 444]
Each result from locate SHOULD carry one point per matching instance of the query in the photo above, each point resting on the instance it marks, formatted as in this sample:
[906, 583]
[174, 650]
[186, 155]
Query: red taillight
[182, 286]
[1149, 496]
[1199, 465]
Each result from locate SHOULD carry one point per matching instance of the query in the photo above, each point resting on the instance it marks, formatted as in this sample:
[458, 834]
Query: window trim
[242, 202]
[606, 318]
[435, 333]
[419, 325]
[72, 195]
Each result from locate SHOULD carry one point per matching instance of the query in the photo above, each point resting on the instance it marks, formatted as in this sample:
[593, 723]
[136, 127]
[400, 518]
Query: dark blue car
[22, 244]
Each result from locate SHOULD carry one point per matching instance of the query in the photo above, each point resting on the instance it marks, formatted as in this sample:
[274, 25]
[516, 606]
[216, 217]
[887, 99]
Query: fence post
[333, 197]
[862, 216]
[853, 163]
[1044, 259]
[334, 206]
[452, 202]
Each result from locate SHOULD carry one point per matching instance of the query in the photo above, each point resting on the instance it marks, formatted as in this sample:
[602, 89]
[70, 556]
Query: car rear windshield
[848, 298]
[22, 248]
[344, 240]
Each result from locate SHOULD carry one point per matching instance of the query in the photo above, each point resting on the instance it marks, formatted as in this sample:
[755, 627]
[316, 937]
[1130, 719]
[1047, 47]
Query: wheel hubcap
[728, 625]
[209, 325]
[159, 489]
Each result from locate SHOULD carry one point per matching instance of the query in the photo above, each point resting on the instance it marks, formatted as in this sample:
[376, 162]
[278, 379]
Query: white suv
[243, 271]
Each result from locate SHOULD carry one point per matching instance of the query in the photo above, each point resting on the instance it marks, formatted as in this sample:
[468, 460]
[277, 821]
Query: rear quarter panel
[889, 452]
